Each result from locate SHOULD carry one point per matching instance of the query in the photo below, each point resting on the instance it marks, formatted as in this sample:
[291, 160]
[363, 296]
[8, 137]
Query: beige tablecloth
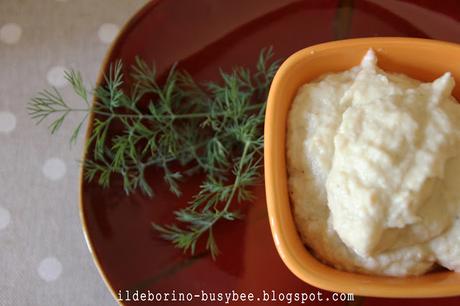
[43, 256]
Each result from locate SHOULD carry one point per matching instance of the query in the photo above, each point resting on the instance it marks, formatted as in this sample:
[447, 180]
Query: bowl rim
[130, 22]
[274, 162]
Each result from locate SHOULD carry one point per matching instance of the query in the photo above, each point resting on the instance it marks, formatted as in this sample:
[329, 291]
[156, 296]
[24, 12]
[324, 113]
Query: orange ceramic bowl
[419, 58]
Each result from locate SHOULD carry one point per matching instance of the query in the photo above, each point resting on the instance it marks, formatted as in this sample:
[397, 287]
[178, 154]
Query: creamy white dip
[374, 170]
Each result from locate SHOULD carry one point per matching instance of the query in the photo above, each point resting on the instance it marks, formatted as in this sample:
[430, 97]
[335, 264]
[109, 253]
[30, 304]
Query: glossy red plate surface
[203, 35]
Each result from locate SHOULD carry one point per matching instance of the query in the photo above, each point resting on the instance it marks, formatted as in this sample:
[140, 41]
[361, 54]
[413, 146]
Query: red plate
[204, 35]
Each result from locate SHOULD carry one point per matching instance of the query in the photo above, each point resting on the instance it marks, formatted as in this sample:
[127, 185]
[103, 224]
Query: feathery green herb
[214, 128]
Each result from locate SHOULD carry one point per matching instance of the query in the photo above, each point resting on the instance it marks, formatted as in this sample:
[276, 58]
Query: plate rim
[131, 21]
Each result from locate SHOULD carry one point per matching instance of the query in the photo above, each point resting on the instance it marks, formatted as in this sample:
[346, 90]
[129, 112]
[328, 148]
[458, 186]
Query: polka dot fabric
[44, 259]
[7, 122]
[54, 169]
[10, 33]
[56, 76]
[50, 269]
[4, 218]
[107, 32]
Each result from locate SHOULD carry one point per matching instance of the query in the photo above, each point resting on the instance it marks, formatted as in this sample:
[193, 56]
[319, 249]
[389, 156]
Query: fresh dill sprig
[215, 128]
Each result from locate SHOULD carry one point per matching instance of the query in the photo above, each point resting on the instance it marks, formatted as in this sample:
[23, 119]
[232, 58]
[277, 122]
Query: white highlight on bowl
[10, 33]
[49, 269]
[7, 122]
[54, 169]
[107, 32]
[276, 239]
[272, 221]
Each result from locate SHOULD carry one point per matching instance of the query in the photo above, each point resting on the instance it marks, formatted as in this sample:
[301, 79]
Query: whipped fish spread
[374, 170]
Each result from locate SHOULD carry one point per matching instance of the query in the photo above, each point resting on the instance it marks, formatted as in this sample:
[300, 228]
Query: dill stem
[144, 116]
[232, 193]
[172, 158]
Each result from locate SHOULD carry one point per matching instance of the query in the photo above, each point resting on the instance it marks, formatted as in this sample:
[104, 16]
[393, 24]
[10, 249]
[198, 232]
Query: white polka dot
[4, 218]
[56, 76]
[54, 169]
[7, 122]
[50, 269]
[107, 32]
[10, 33]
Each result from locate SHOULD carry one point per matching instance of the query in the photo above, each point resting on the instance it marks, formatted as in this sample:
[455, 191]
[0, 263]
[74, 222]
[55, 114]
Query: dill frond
[215, 128]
